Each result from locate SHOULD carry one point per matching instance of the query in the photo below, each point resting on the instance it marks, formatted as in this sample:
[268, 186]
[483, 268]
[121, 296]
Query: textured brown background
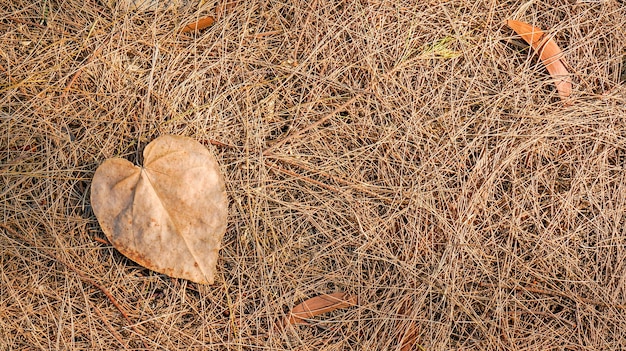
[446, 185]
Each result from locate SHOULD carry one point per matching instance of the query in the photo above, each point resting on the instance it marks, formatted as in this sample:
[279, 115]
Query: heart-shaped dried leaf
[318, 305]
[549, 53]
[168, 216]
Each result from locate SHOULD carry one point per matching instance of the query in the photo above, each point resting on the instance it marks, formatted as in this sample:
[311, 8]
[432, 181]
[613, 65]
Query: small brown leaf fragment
[224, 6]
[319, 305]
[199, 25]
[549, 53]
[409, 339]
[408, 329]
[101, 241]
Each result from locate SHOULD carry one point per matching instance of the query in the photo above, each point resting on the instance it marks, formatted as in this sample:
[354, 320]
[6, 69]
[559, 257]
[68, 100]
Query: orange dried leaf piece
[549, 53]
[199, 24]
[319, 305]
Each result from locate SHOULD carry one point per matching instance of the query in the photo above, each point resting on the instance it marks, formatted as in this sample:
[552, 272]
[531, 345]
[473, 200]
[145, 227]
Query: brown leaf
[319, 305]
[199, 25]
[408, 329]
[169, 215]
[549, 53]
[408, 339]
[224, 6]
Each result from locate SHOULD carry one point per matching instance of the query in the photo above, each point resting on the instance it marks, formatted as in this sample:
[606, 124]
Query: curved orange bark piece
[549, 53]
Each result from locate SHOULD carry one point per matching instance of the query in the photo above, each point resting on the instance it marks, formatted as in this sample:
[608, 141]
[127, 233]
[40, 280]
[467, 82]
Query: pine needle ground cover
[414, 156]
